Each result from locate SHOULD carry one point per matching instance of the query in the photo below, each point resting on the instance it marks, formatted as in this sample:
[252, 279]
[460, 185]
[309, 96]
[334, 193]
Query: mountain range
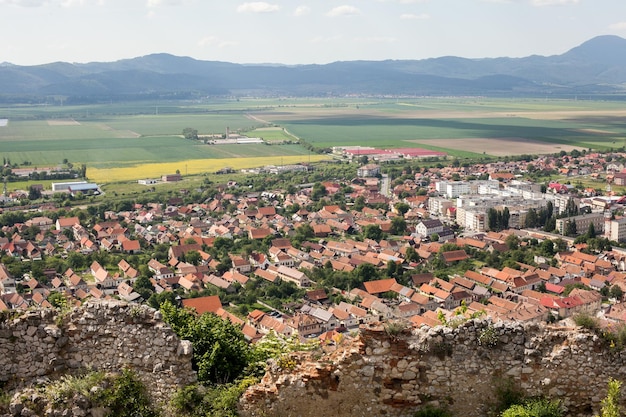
[596, 68]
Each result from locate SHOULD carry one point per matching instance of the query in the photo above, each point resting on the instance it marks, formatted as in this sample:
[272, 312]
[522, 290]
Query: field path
[258, 119]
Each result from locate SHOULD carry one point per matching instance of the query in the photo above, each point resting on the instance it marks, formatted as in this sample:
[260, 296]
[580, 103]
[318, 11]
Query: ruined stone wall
[396, 374]
[106, 336]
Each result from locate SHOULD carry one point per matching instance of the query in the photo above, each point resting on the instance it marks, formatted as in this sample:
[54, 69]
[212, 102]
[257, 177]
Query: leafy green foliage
[128, 397]
[610, 403]
[214, 401]
[586, 321]
[488, 337]
[535, 408]
[220, 351]
[506, 394]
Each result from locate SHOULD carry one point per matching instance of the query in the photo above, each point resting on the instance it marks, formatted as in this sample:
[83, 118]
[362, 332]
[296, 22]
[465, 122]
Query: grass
[125, 141]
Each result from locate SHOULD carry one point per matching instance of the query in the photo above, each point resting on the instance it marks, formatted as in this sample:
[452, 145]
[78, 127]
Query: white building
[615, 229]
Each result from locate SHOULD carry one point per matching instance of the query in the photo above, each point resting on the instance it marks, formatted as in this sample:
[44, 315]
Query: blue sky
[299, 31]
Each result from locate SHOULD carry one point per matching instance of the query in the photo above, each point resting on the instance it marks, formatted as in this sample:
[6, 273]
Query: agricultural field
[128, 141]
[462, 127]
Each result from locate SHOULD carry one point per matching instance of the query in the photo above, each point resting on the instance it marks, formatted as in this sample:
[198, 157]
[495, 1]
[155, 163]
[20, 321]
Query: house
[293, 275]
[208, 304]
[305, 324]
[7, 282]
[131, 247]
[428, 227]
[369, 170]
[454, 256]
[240, 264]
[63, 223]
[160, 271]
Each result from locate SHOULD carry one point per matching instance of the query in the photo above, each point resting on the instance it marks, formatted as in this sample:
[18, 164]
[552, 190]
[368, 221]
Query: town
[316, 251]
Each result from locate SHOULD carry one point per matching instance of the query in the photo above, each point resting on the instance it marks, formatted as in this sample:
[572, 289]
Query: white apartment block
[471, 219]
[582, 223]
[437, 206]
[615, 229]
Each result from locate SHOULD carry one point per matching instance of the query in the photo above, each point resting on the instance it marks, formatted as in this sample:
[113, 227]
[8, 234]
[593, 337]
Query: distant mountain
[597, 67]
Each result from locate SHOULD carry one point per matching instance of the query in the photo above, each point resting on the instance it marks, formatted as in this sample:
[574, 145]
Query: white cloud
[26, 3]
[377, 39]
[324, 39]
[257, 7]
[618, 26]
[41, 3]
[402, 1]
[302, 11]
[80, 3]
[553, 2]
[209, 41]
[412, 16]
[159, 3]
[343, 11]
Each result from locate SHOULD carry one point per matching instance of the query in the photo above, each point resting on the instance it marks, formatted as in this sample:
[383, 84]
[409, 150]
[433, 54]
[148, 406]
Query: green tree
[34, 193]
[193, 257]
[570, 228]
[373, 231]
[591, 231]
[411, 255]
[220, 351]
[512, 241]
[318, 191]
[398, 225]
[402, 208]
[616, 292]
[359, 203]
[190, 133]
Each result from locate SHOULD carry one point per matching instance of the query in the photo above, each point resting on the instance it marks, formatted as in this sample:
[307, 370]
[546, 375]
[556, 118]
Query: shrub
[488, 336]
[506, 394]
[610, 404]
[395, 328]
[586, 321]
[535, 408]
[70, 386]
[214, 401]
[128, 397]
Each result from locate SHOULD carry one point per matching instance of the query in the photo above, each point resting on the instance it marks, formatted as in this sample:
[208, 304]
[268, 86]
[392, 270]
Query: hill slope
[598, 66]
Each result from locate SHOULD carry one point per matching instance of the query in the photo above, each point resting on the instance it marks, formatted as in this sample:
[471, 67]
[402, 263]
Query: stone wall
[106, 336]
[382, 373]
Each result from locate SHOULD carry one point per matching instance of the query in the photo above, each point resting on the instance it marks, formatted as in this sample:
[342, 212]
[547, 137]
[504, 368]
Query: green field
[132, 134]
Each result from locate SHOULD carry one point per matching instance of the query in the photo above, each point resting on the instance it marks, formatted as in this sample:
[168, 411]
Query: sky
[299, 31]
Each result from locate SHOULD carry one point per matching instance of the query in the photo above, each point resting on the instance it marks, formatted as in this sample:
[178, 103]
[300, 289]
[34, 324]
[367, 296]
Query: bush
[507, 394]
[214, 401]
[488, 336]
[610, 404]
[586, 321]
[128, 397]
[535, 408]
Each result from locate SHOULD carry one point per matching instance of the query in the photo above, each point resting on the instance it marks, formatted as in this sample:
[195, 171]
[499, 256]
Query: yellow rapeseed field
[192, 166]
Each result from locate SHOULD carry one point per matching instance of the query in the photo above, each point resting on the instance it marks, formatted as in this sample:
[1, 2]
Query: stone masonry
[385, 373]
[106, 336]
